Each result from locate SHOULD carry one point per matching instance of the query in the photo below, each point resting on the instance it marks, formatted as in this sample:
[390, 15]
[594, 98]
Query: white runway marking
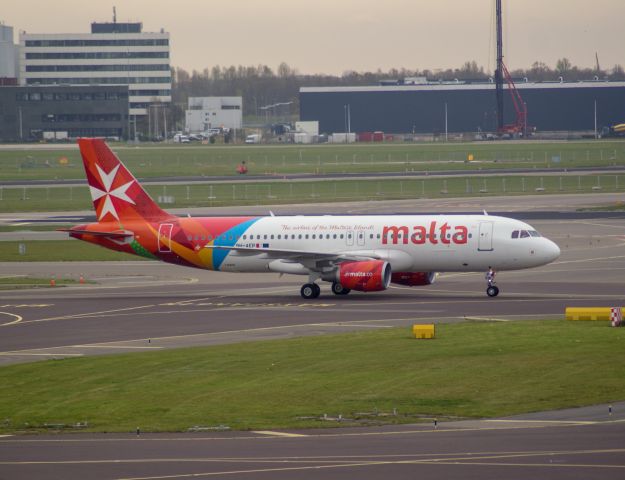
[278, 434]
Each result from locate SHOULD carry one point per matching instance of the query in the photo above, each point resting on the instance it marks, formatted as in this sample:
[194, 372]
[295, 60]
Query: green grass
[59, 251]
[65, 198]
[470, 370]
[174, 160]
[19, 282]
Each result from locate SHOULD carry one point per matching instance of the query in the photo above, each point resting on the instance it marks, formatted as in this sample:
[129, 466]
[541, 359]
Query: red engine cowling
[414, 279]
[367, 276]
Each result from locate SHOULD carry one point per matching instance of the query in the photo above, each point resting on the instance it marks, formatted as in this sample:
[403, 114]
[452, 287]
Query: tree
[563, 66]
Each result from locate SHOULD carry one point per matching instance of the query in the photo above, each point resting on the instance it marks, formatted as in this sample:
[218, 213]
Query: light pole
[273, 106]
[446, 130]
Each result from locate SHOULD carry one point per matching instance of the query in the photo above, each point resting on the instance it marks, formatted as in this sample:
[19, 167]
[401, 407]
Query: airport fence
[59, 198]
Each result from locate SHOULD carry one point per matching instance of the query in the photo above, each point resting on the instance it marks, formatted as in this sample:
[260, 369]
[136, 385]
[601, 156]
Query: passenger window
[334, 236]
[328, 236]
[244, 237]
[264, 237]
[342, 236]
[515, 234]
[306, 236]
[190, 237]
[314, 236]
[279, 237]
[272, 237]
[299, 237]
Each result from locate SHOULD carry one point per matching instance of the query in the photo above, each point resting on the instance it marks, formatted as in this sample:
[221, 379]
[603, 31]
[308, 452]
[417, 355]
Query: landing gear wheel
[310, 290]
[338, 289]
[492, 291]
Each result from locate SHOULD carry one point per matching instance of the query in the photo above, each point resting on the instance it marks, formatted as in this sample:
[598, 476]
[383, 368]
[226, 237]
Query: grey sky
[332, 36]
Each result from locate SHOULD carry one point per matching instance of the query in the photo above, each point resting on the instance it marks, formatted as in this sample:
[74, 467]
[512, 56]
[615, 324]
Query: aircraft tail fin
[116, 193]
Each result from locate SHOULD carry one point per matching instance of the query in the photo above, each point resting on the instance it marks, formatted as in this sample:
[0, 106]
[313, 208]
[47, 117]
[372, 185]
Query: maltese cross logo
[106, 180]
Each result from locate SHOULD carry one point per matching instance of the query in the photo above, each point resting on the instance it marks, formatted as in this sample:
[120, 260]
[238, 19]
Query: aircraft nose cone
[552, 251]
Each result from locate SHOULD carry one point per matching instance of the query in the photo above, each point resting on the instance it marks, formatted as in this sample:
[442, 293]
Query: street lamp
[266, 108]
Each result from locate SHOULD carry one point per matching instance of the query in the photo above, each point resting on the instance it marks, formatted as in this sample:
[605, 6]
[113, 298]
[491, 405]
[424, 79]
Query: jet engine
[365, 276]
[413, 279]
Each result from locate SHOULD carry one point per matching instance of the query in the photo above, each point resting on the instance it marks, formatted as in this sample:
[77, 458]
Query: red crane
[519, 127]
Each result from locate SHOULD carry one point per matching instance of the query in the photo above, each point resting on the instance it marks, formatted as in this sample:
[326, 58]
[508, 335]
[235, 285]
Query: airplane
[365, 253]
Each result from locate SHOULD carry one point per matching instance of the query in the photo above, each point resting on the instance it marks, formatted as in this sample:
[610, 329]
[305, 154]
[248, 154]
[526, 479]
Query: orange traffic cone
[82, 279]
[53, 281]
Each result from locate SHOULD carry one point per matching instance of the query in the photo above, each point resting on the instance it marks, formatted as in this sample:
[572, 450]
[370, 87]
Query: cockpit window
[534, 233]
[515, 234]
[524, 234]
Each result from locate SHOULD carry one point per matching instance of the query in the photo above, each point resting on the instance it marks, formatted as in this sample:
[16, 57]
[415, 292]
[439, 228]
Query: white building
[8, 53]
[112, 54]
[205, 113]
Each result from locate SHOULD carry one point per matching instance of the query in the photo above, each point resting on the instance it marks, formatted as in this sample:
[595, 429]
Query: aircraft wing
[301, 256]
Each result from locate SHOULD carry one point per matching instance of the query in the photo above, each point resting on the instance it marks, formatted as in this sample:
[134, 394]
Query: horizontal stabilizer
[114, 235]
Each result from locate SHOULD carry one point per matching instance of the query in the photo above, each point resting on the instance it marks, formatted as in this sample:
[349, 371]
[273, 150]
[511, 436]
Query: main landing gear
[310, 290]
[338, 289]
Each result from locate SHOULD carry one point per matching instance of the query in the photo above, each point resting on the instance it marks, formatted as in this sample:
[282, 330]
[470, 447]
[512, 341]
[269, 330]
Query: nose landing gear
[492, 291]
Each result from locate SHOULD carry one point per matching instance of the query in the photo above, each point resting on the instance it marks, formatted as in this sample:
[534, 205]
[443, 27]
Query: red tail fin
[116, 193]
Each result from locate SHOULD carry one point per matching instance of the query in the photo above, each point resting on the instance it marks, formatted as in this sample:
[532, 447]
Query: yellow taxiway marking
[486, 319]
[26, 305]
[17, 319]
[87, 314]
[278, 434]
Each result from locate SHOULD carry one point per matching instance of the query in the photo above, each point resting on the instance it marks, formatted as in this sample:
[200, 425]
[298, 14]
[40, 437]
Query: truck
[254, 138]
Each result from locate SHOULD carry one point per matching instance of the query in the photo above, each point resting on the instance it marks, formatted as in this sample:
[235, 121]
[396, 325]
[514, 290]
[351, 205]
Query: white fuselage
[410, 243]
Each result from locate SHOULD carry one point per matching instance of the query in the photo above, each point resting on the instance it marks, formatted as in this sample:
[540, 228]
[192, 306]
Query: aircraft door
[349, 238]
[485, 243]
[164, 237]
